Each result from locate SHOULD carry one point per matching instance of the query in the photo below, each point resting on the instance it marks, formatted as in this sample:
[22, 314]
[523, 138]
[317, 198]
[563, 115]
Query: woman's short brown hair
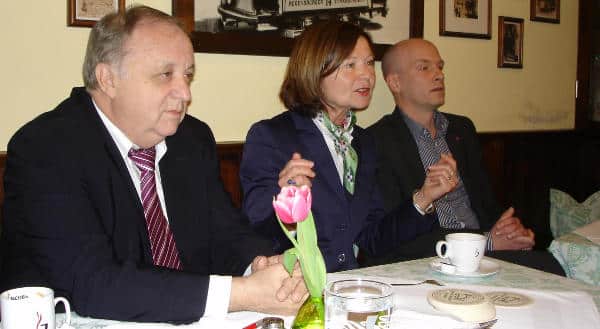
[317, 52]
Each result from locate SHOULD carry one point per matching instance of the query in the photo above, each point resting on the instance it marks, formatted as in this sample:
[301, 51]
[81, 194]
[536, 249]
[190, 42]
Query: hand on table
[297, 172]
[509, 233]
[441, 178]
[269, 289]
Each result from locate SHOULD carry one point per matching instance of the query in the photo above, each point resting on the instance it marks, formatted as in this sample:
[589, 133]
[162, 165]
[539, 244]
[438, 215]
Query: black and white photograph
[510, 42]
[545, 11]
[387, 21]
[466, 18]
[465, 8]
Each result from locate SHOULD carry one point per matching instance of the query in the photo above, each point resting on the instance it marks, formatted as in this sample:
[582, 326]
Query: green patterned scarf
[343, 147]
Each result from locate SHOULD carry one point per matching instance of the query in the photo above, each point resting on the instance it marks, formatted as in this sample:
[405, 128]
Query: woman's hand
[297, 172]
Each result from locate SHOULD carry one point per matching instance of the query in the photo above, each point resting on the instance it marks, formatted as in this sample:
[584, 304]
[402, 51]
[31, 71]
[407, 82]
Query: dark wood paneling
[522, 167]
[2, 166]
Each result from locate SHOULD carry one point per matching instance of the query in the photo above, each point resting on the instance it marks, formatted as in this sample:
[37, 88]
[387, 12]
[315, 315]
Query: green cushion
[566, 214]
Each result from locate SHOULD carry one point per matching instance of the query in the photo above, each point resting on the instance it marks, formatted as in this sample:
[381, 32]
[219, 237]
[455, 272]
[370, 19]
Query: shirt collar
[123, 143]
[439, 120]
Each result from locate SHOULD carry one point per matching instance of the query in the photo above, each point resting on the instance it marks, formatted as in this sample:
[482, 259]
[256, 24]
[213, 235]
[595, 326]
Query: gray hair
[105, 44]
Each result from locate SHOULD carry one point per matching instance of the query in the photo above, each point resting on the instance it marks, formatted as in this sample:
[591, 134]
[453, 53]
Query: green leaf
[289, 259]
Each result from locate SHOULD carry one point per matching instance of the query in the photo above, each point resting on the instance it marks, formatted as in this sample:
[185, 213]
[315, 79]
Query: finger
[287, 288]
[277, 259]
[259, 263]
[510, 212]
[300, 292]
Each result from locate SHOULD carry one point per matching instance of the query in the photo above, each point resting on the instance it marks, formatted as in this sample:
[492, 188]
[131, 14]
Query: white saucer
[486, 268]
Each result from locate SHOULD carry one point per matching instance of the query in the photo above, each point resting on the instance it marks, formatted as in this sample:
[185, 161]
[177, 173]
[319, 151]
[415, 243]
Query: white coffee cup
[464, 250]
[31, 307]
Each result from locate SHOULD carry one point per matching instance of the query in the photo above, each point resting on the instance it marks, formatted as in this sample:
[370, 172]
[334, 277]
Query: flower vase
[311, 314]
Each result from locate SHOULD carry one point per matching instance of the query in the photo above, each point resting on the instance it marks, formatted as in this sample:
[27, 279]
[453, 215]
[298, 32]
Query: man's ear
[106, 77]
[393, 82]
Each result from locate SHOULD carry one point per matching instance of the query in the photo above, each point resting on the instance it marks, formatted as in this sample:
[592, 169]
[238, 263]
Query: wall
[42, 59]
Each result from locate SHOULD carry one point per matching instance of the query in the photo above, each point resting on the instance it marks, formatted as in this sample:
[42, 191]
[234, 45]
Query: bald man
[435, 159]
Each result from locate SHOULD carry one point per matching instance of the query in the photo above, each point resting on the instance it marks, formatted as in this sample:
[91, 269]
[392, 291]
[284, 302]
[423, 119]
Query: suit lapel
[409, 161]
[313, 147]
[112, 153]
[455, 143]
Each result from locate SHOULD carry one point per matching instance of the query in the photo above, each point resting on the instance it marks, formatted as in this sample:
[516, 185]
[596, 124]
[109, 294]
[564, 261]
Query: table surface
[510, 275]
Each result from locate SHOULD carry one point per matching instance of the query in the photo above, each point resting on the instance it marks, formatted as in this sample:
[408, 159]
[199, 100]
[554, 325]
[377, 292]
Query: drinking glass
[365, 303]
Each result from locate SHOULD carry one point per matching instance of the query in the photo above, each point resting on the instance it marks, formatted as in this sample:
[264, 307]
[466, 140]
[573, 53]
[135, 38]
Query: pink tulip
[293, 204]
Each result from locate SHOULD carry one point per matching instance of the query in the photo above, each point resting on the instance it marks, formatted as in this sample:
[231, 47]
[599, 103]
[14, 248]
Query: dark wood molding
[582, 108]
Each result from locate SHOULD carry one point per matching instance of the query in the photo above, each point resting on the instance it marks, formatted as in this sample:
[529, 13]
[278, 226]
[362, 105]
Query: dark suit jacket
[73, 220]
[341, 219]
[401, 172]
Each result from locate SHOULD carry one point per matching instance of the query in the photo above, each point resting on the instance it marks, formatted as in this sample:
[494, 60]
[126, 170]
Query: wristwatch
[417, 195]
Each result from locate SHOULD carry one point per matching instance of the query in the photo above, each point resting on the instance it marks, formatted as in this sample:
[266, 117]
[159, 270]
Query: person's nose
[366, 72]
[438, 74]
[182, 89]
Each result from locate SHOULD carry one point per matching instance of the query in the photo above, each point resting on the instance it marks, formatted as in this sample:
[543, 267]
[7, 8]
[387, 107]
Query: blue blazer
[341, 219]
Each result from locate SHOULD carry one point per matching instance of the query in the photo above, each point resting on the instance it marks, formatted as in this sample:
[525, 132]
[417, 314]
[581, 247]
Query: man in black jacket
[435, 159]
[113, 199]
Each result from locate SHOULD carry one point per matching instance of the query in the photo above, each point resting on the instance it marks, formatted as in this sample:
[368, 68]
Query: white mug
[465, 250]
[31, 308]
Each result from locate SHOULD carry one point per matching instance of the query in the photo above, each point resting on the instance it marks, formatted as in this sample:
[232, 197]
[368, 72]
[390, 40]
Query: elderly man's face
[152, 85]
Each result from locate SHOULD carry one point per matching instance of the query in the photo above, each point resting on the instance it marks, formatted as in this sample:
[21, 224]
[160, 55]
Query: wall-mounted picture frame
[86, 13]
[466, 18]
[510, 42]
[268, 27]
[545, 11]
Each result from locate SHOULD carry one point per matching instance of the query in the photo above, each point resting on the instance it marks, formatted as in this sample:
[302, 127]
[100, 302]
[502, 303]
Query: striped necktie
[162, 242]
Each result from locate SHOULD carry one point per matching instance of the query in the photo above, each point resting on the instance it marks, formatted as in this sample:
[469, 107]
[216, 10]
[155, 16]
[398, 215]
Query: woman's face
[351, 85]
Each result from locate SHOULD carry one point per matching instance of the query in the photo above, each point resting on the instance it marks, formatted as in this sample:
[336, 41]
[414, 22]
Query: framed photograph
[466, 18]
[268, 27]
[510, 42]
[87, 12]
[545, 11]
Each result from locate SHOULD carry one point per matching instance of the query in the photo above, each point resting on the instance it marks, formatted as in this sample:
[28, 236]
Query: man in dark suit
[435, 159]
[113, 198]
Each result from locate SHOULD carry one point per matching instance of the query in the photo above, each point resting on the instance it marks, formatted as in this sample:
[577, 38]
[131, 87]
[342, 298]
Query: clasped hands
[269, 289]
[507, 234]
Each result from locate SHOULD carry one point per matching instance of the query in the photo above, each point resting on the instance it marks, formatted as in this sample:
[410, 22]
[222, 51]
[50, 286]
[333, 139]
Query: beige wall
[42, 57]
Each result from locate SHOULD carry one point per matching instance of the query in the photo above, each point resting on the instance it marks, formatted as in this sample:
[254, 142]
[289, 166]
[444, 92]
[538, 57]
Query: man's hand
[297, 172]
[509, 233]
[269, 289]
[441, 178]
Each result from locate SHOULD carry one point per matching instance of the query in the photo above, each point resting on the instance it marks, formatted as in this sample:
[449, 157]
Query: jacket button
[341, 258]
[342, 227]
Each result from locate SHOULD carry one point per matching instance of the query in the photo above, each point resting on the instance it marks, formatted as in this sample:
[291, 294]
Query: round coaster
[509, 299]
[466, 305]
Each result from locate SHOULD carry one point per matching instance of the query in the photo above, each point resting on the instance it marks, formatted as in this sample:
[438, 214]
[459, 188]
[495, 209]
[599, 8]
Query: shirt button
[341, 258]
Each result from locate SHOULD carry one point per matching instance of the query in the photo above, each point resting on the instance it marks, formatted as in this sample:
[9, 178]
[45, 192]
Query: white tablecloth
[559, 302]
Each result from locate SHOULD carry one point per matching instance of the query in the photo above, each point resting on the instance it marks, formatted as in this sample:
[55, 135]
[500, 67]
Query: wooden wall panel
[522, 168]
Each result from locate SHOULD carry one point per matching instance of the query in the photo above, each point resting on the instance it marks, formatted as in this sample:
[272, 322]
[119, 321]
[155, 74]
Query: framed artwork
[545, 11]
[510, 42]
[466, 18]
[268, 27]
[87, 12]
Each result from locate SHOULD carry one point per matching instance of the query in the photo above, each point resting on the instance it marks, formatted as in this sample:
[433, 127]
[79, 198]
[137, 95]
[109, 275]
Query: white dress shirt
[219, 287]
